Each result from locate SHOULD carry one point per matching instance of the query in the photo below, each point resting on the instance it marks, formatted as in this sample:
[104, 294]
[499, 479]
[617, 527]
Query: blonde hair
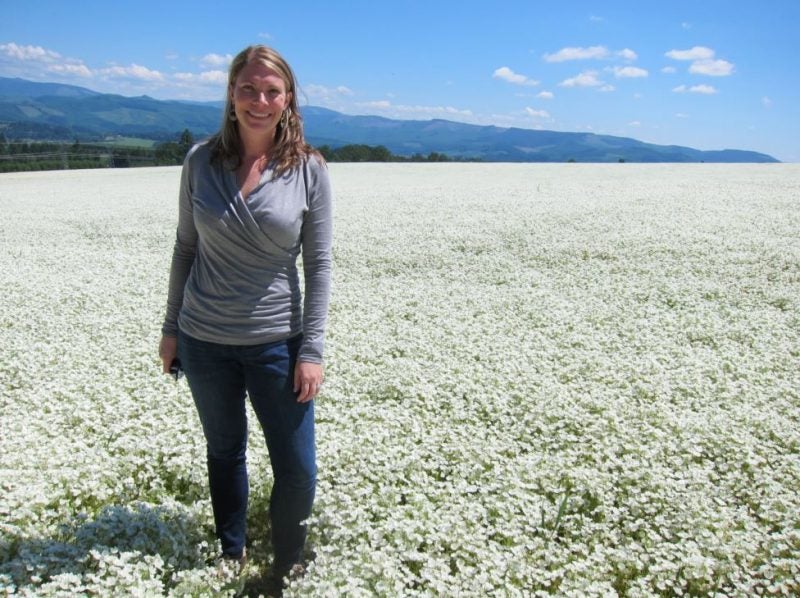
[290, 147]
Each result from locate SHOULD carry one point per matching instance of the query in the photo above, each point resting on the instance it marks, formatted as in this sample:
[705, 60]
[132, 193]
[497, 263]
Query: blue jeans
[219, 376]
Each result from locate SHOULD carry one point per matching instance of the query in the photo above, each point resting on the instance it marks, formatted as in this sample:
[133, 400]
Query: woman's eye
[250, 89]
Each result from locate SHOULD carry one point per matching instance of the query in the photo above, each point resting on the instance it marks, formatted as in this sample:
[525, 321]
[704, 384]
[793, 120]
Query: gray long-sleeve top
[234, 277]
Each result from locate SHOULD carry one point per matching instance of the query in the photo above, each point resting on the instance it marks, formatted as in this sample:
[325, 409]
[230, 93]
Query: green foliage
[130, 152]
[378, 153]
[171, 153]
[186, 140]
[356, 153]
[19, 156]
[131, 142]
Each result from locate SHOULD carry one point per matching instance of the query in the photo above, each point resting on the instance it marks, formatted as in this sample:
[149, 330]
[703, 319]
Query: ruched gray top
[234, 277]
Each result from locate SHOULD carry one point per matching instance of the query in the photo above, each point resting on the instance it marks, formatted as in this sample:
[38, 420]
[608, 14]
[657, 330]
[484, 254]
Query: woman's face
[259, 98]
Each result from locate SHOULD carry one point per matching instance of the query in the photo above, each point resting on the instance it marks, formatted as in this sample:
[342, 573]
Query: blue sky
[709, 74]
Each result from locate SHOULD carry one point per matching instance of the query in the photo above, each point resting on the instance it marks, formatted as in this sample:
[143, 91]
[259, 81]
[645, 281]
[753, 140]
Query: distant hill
[22, 88]
[499, 144]
[54, 111]
[57, 107]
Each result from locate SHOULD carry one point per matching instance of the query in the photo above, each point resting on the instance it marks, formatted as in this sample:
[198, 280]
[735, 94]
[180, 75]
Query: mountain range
[57, 111]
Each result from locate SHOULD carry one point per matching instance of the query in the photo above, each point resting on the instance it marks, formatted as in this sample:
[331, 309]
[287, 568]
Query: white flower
[541, 380]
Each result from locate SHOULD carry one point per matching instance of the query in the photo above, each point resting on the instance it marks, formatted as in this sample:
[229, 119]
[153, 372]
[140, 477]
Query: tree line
[18, 156]
[376, 153]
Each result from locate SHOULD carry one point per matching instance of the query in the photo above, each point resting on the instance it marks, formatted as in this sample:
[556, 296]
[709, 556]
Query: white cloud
[216, 59]
[564, 54]
[695, 53]
[607, 88]
[36, 53]
[585, 79]
[713, 68]
[627, 54]
[545, 95]
[669, 70]
[686, 25]
[628, 72]
[537, 113]
[635, 123]
[38, 62]
[133, 71]
[506, 74]
[265, 35]
[681, 115]
[379, 104]
[701, 89]
[703, 61]
[596, 19]
[42, 64]
[766, 102]
[434, 110]
[401, 110]
[81, 70]
[323, 93]
[218, 79]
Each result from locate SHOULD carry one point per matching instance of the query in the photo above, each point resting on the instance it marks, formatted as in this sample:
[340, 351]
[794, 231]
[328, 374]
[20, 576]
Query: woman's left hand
[307, 380]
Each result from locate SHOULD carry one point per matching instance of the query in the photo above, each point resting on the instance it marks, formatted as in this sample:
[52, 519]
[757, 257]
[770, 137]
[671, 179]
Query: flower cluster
[576, 380]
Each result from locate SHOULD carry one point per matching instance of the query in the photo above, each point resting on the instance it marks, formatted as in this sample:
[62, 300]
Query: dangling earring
[232, 114]
[285, 117]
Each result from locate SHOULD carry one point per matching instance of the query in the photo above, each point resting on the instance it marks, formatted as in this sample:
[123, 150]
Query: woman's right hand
[167, 351]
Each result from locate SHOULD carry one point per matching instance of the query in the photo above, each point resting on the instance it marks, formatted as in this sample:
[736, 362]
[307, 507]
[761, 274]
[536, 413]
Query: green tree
[353, 153]
[186, 141]
[380, 154]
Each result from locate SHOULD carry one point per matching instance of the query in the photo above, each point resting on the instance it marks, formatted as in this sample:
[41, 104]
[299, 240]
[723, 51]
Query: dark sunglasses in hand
[175, 369]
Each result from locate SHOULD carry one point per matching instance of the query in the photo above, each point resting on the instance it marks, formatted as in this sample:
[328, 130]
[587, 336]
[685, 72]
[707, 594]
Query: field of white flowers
[575, 380]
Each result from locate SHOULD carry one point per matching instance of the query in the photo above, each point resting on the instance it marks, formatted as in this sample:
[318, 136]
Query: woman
[251, 199]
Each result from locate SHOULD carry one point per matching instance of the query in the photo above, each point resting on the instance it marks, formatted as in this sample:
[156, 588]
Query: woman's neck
[254, 149]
